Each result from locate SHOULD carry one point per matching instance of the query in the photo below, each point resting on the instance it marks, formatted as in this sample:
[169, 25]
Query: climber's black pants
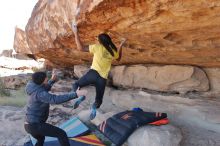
[40, 130]
[92, 77]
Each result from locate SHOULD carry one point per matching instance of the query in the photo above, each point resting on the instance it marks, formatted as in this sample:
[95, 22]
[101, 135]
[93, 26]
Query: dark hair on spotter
[39, 77]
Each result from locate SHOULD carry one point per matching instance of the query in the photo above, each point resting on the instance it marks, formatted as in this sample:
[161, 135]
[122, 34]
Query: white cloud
[12, 13]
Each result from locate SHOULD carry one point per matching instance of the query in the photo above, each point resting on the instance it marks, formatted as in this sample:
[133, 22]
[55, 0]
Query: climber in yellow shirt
[103, 54]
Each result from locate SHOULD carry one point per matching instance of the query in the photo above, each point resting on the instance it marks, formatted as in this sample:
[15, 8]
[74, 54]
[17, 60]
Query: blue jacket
[39, 100]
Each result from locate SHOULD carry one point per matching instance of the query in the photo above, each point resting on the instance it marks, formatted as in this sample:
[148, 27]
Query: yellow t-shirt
[102, 59]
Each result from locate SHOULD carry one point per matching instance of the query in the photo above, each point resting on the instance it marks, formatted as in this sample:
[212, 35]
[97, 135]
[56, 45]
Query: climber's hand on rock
[77, 12]
[123, 40]
[74, 27]
[54, 75]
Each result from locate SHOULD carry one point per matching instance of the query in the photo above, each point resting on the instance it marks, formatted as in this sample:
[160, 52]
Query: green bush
[3, 91]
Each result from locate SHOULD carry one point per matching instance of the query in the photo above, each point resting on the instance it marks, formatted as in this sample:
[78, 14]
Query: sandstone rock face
[161, 78]
[166, 135]
[80, 70]
[214, 78]
[196, 112]
[7, 53]
[62, 86]
[20, 42]
[163, 31]
[195, 117]
[14, 82]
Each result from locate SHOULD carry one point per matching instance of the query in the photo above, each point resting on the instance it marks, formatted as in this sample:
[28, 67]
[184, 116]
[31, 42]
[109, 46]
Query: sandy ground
[8, 66]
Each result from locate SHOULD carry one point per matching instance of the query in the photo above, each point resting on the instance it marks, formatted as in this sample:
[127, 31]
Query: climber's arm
[120, 49]
[80, 46]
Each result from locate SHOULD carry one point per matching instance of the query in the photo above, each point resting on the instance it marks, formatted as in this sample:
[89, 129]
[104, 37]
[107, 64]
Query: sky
[13, 13]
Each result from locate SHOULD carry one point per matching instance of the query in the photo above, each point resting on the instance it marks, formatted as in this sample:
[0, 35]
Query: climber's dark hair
[106, 41]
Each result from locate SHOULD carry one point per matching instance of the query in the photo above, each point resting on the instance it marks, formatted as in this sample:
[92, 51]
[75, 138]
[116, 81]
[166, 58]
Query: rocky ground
[194, 114]
[11, 129]
[193, 122]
